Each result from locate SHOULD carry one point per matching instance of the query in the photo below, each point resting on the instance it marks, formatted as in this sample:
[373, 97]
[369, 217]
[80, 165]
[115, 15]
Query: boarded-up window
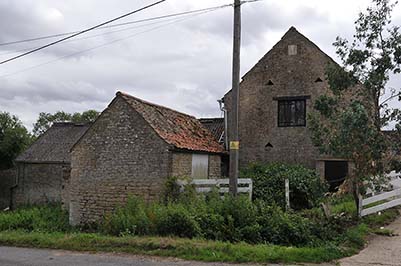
[200, 166]
[292, 49]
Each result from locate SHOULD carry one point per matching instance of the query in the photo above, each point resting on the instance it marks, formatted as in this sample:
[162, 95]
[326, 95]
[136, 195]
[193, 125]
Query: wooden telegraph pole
[234, 142]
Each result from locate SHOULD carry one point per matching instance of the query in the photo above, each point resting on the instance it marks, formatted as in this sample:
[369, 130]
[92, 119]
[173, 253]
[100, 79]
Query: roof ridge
[70, 123]
[120, 93]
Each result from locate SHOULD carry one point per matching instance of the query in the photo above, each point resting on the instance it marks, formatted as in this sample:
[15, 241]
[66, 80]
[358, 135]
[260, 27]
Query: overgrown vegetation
[228, 219]
[47, 227]
[50, 218]
[306, 187]
[208, 227]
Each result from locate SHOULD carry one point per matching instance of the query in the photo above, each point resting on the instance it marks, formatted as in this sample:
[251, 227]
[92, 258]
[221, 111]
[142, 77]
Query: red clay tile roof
[178, 129]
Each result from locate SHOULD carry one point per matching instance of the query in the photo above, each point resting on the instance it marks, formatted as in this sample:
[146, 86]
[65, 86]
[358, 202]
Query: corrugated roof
[215, 126]
[178, 129]
[55, 144]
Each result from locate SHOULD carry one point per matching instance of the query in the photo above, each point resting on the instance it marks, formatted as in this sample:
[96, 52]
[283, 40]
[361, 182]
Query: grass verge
[194, 249]
[347, 244]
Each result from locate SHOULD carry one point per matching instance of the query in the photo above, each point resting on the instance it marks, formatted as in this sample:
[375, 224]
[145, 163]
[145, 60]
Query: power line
[81, 32]
[93, 36]
[121, 39]
[114, 25]
[102, 45]
[121, 24]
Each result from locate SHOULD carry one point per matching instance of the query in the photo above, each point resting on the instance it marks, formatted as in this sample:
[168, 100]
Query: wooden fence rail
[245, 185]
[391, 198]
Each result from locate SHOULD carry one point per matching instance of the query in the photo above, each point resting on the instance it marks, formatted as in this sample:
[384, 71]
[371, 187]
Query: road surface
[12, 256]
[381, 251]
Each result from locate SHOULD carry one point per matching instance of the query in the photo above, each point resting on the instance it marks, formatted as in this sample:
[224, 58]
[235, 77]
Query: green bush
[130, 219]
[279, 227]
[176, 220]
[306, 187]
[50, 218]
[226, 219]
[173, 192]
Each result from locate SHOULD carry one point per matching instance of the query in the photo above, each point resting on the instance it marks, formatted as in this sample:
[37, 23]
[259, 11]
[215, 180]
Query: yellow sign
[234, 145]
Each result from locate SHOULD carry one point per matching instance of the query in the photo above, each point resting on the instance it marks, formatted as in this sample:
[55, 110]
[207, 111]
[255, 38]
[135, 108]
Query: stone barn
[131, 149]
[275, 97]
[43, 170]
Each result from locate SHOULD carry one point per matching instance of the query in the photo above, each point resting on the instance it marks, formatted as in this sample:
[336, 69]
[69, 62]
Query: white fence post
[360, 205]
[287, 194]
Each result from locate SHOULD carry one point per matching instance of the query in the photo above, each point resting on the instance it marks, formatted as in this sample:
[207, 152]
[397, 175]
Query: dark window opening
[335, 173]
[292, 113]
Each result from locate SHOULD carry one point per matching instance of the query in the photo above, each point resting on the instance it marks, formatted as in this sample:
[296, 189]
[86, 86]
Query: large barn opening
[335, 173]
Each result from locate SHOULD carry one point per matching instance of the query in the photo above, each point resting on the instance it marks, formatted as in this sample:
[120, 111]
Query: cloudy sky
[183, 63]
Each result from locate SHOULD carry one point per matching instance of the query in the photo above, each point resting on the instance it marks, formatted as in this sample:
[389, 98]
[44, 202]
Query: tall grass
[51, 218]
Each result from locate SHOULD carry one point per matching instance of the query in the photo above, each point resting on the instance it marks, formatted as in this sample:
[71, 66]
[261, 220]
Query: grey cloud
[257, 18]
[186, 65]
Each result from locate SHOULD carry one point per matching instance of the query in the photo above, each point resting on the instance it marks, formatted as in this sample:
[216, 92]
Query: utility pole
[234, 142]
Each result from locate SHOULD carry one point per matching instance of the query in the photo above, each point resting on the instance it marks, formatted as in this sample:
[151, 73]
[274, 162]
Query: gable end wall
[120, 155]
[291, 75]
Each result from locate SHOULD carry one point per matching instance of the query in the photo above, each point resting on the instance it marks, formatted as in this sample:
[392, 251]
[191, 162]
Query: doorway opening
[335, 173]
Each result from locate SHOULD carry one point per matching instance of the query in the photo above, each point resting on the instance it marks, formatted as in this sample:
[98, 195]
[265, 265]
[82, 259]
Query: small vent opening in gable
[318, 80]
[270, 83]
[268, 145]
[292, 49]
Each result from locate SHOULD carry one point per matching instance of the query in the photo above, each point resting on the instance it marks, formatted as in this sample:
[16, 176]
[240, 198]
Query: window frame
[281, 100]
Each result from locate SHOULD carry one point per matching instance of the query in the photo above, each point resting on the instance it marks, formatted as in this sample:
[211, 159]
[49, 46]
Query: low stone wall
[7, 179]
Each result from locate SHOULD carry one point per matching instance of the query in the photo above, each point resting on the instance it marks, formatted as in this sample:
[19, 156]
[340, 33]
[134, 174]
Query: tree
[46, 120]
[349, 121]
[14, 138]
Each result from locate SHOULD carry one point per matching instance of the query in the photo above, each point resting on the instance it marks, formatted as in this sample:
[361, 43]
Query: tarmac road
[12, 256]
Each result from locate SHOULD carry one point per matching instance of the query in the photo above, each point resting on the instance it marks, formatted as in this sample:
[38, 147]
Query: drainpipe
[224, 110]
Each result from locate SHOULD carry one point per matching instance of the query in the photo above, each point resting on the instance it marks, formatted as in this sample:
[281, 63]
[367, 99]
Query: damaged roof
[178, 129]
[55, 144]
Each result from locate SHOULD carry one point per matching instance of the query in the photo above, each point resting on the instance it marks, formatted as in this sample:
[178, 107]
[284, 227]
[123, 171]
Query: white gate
[391, 199]
[245, 185]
